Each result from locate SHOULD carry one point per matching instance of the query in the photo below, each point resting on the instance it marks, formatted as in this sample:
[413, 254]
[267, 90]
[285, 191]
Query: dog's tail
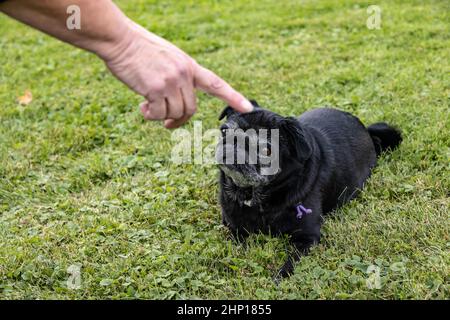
[384, 137]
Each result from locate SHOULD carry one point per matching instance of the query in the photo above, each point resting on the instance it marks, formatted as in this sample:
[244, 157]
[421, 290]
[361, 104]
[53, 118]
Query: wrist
[118, 41]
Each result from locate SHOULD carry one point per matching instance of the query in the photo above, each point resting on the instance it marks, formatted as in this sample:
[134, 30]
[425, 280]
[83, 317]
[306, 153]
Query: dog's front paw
[285, 271]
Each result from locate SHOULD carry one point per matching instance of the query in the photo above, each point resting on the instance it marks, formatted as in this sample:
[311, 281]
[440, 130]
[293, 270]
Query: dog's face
[259, 147]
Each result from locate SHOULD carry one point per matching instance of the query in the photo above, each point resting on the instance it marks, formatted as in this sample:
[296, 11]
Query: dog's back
[349, 151]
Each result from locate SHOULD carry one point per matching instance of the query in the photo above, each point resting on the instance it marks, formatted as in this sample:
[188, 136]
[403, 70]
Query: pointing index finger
[212, 84]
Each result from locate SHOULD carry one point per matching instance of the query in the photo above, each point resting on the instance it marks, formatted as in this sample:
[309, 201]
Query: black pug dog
[323, 159]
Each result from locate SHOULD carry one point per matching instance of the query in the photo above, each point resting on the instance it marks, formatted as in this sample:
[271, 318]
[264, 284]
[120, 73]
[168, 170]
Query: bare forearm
[151, 66]
[102, 24]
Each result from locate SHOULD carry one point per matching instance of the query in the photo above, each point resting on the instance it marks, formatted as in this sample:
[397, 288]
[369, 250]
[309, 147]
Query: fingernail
[246, 106]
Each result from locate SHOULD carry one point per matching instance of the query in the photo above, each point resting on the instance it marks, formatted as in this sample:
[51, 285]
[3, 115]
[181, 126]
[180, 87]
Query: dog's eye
[266, 151]
[224, 131]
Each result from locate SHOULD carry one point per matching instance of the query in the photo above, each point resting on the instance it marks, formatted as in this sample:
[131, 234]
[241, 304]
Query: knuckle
[147, 115]
[175, 114]
[191, 110]
[183, 70]
[216, 83]
[172, 76]
[170, 79]
[156, 115]
[158, 87]
[156, 112]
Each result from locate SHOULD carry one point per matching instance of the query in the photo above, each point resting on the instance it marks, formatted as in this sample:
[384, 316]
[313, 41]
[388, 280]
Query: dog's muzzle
[243, 174]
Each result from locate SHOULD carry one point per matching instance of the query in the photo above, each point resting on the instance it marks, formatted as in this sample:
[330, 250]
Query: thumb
[212, 84]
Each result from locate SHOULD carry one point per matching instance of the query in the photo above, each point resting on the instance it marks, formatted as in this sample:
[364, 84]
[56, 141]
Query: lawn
[86, 183]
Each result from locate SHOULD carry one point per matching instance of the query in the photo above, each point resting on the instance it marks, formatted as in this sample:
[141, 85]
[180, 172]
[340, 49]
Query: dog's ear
[255, 104]
[229, 110]
[226, 112]
[297, 139]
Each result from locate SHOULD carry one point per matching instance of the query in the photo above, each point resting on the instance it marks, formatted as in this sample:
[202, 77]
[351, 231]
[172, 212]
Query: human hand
[166, 76]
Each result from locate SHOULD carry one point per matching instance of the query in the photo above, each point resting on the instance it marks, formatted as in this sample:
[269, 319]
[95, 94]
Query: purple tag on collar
[302, 210]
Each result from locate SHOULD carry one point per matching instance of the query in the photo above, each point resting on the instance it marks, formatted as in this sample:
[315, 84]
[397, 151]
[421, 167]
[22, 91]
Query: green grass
[85, 181]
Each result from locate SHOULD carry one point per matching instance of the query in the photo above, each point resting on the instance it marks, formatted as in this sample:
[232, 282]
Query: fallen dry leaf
[26, 98]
